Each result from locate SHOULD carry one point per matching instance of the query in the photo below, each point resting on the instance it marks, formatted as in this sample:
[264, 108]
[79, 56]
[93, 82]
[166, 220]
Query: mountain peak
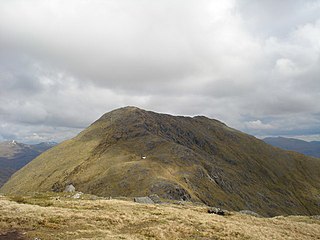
[132, 152]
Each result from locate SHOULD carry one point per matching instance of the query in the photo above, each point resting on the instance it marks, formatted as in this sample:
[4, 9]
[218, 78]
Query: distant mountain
[308, 148]
[132, 152]
[14, 155]
[44, 146]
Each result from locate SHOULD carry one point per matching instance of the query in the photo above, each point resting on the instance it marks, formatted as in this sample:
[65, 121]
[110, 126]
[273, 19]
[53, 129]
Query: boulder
[145, 200]
[217, 211]
[70, 188]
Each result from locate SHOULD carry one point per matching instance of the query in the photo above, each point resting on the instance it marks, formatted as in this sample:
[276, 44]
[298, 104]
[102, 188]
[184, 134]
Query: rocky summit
[132, 152]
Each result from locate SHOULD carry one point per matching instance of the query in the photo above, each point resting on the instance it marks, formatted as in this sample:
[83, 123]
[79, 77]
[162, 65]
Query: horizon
[252, 65]
[309, 138]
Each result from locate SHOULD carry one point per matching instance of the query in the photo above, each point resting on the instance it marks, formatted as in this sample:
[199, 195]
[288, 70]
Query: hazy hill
[14, 155]
[132, 152]
[307, 148]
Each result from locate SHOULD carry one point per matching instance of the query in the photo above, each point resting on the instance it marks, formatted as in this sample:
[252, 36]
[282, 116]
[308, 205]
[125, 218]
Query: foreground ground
[52, 216]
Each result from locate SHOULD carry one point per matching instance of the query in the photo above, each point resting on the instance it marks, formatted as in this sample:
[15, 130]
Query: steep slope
[132, 152]
[14, 155]
[308, 148]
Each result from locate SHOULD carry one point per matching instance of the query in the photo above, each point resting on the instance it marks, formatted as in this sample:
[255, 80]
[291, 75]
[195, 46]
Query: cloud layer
[252, 64]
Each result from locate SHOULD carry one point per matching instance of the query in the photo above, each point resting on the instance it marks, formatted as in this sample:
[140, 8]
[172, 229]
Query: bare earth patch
[66, 218]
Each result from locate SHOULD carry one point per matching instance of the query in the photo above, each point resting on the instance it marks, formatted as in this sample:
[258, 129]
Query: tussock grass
[68, 218]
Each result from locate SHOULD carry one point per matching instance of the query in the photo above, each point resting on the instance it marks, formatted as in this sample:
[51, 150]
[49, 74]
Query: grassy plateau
[60, 216]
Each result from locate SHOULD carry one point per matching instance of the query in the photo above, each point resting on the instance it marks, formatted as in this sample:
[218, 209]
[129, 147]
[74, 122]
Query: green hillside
[132, 152]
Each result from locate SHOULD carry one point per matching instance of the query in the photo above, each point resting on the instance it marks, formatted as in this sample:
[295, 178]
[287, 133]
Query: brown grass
[68, 218]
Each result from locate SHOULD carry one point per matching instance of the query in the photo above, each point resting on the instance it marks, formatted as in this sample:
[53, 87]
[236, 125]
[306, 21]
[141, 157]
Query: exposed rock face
[155, 198]
[187, 159]
[170, 191]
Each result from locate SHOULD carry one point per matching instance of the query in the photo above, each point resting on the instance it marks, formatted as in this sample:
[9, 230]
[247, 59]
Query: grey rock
[217, 211]
[155, 198]
[70, 188]
[251, 213]
[170, 190]
[77, 195]
[145, 200]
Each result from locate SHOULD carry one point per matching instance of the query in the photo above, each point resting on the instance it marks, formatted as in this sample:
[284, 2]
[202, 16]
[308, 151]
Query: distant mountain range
[308, 148]
[14, 155]
[132, 152]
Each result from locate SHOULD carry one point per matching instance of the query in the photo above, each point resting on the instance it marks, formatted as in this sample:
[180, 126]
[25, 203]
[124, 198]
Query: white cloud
[65, 63]
[258, 125]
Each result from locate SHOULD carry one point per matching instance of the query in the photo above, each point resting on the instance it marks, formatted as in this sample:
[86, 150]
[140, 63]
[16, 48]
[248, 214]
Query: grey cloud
[65, 63]
[278, 18]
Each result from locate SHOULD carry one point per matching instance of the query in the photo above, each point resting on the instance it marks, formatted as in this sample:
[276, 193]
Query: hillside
[133, 152]
[308, 148]
[14, 155]
[54, 216]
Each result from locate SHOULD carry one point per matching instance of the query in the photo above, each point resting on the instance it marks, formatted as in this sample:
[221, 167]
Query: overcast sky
[254, 65]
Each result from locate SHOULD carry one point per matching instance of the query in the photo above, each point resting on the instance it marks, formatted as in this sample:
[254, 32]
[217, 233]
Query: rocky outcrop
[144, 200]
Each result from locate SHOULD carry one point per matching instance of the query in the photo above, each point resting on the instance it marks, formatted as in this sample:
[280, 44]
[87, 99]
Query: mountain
[14, 155]
[43, 146]
[133, 152]
[308, 148]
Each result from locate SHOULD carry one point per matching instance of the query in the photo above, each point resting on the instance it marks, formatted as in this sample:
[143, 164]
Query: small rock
[251, 213]
[77, 195]
[217, 211]
[145, 200]
[70, 188]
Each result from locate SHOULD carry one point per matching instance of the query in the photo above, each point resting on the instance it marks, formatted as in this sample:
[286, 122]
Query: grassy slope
[197, 157]
[53, 217]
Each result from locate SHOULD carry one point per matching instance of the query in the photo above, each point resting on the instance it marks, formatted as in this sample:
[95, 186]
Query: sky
[254, 65]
